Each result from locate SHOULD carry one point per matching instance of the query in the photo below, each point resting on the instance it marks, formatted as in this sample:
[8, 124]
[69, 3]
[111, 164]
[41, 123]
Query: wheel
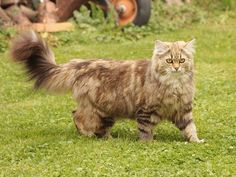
[136, 11]
[144, 12]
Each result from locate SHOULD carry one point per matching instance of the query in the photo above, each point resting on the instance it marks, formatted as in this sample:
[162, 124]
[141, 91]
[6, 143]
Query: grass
[38, 137]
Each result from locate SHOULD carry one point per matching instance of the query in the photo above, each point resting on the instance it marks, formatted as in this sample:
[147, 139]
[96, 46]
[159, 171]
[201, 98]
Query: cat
[148, 91]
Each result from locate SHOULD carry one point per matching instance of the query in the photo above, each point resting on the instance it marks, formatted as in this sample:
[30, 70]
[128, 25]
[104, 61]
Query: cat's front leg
[145, 125]
[188, 128]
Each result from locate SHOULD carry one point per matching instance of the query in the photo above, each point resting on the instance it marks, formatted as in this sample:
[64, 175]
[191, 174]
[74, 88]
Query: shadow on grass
[161, 135]
[126, 132]
[168, 136]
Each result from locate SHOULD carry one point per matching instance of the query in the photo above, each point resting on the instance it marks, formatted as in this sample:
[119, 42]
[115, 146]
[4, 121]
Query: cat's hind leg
[103, 131]
[89, 122]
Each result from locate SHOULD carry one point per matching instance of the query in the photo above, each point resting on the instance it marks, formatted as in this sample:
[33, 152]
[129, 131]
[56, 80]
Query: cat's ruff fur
[148, 91]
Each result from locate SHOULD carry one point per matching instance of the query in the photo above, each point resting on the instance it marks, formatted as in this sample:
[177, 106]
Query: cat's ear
[160, 47]
[190, 46]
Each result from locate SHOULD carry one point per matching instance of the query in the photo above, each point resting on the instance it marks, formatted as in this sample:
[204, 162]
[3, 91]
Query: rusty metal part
[126, 9]
[66, 8]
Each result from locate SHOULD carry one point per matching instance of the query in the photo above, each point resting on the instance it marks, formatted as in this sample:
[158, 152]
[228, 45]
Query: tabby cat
[148, 91]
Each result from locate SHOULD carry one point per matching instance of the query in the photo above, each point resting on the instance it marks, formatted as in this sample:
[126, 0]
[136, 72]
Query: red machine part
[126, 9]
[136, 11]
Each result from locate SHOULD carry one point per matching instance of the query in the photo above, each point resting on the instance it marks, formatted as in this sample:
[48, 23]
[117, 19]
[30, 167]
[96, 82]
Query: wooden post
[31, 14]
[4, 18]
[15, 13]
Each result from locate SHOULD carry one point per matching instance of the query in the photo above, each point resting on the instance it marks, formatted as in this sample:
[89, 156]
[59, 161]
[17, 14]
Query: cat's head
[173, 57]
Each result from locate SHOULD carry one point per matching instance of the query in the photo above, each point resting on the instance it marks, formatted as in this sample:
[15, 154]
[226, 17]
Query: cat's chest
[169, 96]
[174, 97]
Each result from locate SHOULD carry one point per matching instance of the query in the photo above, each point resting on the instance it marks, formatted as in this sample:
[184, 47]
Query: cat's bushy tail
[31, 50]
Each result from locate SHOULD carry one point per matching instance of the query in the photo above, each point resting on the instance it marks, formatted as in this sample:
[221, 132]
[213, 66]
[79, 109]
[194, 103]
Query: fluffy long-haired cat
[147, 91]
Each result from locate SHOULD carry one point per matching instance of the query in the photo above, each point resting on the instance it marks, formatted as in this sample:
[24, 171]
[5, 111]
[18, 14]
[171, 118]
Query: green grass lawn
[38, 137]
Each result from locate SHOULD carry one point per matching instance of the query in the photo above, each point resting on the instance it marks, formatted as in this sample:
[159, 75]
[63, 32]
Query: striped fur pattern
[148, 91]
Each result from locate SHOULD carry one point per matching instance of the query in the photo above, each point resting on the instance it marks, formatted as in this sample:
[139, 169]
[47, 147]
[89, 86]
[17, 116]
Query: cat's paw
[201, 141]
[145, 138]
[197, 141]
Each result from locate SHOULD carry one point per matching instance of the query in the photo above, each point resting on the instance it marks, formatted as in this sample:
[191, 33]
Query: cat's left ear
[190, 46]
[160, 47]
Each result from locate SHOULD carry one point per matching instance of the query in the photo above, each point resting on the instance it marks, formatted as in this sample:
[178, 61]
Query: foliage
[5, 36]
[216, 4]
[163, 18]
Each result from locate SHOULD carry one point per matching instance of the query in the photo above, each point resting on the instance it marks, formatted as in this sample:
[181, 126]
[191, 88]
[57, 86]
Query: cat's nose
[176, 68]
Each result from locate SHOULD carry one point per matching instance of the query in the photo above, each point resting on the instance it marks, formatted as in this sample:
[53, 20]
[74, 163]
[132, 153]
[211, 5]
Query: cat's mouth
[176, 73]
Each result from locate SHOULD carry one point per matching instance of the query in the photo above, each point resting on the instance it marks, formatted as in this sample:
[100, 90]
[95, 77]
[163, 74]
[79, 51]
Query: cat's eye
[169, 60]
[182, 60]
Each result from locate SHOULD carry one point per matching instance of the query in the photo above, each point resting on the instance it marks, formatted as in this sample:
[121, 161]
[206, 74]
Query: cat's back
[113, 85]
[109, 71]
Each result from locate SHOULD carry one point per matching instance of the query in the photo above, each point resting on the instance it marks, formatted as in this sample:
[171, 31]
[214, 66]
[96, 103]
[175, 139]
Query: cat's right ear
[190, 46]
[160, 47]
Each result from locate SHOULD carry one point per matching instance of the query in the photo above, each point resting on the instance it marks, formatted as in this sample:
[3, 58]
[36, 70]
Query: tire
[143, 12]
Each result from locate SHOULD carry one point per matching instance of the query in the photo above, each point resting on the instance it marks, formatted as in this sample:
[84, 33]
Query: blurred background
[107, 20]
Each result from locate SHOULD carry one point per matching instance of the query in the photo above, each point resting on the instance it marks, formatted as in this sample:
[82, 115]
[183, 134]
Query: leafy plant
[163, 18]
[216, 4]
[5, 36]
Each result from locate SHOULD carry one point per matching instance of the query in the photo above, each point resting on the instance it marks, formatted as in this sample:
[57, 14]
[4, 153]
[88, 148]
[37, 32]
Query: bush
[5, 36]
[163, 18]
[216, 4]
